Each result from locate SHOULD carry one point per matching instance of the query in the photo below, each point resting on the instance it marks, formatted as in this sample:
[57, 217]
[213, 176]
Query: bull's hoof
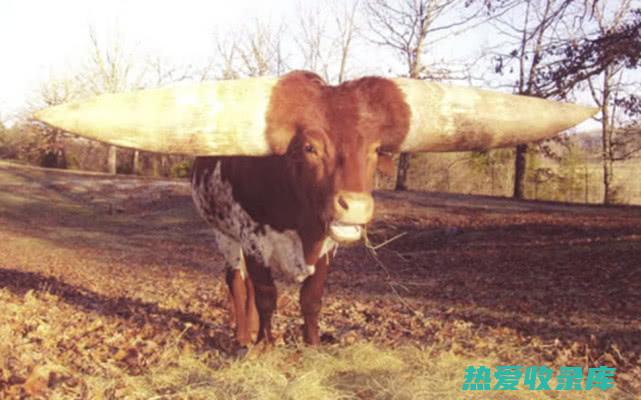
[328, 338]
[242, 352]
[259, 348]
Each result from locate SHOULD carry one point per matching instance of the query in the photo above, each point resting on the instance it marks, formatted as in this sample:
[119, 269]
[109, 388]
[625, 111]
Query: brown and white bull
[285, 166]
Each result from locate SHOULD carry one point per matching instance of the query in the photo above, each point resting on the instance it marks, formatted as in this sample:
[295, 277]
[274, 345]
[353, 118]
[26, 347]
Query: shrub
[181, 169]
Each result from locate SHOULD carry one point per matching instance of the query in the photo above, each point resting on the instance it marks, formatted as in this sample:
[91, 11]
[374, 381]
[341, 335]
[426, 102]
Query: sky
[41, 39]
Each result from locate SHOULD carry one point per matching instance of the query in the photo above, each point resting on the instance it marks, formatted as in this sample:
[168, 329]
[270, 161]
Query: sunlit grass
[359, 371]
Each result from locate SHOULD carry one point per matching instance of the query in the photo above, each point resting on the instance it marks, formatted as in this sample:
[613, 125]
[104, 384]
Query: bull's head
[333, 137]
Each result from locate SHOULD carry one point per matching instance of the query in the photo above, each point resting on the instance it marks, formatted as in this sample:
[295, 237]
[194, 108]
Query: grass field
[110, 288]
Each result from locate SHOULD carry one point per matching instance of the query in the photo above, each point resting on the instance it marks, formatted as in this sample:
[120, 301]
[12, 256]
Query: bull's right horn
[210, 118]
[453, 118]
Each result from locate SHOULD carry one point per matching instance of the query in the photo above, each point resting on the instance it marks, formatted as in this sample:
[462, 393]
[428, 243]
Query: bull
[285, 167]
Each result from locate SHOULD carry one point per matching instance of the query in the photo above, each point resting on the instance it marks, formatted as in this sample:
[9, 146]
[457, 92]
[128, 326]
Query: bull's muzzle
[352, 210]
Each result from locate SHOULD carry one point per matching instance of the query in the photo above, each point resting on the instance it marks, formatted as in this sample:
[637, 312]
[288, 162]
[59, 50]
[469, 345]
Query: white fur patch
[235, 230]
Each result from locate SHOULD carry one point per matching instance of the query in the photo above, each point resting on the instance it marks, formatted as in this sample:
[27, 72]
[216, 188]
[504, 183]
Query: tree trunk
[136, 163]
[606, 139]
[414, 69]
[491, 178]
[586, 184]
[607, 182]
[164, 165]
[112, 160]
[520, 165]
[607, 157]
[403, 168]
[155, 165]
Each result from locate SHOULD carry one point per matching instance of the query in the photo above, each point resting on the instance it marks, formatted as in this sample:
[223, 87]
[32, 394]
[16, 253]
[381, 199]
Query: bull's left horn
[450, 118]
[211, 118]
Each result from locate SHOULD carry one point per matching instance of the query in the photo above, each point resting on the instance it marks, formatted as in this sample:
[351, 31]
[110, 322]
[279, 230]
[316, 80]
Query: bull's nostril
[343, 203]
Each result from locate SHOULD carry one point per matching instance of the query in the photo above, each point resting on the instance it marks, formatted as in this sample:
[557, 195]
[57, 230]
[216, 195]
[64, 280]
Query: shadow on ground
[133, 310]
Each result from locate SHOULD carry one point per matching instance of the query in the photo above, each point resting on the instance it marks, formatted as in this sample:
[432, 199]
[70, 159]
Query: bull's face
[335, 178]
[341, 136]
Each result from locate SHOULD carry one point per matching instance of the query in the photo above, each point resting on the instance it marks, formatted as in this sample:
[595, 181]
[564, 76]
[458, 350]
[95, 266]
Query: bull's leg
[239, 298]
[311, 294]
[243, 302]
[265, 293]
[241, 290]
[251, 311]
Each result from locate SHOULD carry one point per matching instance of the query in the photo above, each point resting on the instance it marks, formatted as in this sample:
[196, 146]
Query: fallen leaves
[43, 377]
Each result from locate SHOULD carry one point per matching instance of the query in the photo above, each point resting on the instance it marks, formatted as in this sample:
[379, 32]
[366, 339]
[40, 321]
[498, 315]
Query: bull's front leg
[243, 304]
[265, 298]
[311, 294]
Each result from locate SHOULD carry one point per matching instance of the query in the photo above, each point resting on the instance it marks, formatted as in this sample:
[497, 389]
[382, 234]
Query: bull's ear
[451, 118]
[208, 118]
[386, 165]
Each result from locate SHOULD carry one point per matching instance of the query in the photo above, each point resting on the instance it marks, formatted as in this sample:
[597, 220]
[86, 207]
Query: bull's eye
[309, 148]
[382, 152]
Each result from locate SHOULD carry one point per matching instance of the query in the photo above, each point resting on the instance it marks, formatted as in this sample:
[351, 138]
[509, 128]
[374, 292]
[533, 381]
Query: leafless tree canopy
[325, 37]
[253, 50]
[410, 27]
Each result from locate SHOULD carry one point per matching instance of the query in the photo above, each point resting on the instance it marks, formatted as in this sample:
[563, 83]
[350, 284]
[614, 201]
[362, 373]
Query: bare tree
[58, 90]
[347, 27]
[606, 91]
[109, 68]
[251, 50]
[159, 71]
[556, 50]
[408, 27]
[534, 39]
[531, 30]
[312, 40]
[325, 37]
[50, 147]
[260, 49]
[223, 64]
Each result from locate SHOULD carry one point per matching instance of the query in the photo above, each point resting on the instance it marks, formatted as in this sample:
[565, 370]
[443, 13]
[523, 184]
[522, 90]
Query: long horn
[211, 118]
[450, 118]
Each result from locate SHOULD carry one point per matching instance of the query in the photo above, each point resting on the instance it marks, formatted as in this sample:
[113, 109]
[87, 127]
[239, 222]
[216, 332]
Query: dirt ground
[101, 275]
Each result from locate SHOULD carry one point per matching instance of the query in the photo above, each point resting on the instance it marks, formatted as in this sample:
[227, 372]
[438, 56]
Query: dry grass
[35, 325]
